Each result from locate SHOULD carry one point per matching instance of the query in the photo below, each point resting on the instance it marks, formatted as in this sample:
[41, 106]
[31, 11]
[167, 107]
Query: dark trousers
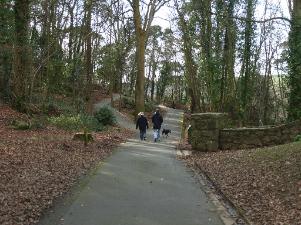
[142, 134]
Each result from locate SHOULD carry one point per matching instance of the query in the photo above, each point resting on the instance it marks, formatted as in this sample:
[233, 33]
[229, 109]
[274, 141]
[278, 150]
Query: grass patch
[276, 153]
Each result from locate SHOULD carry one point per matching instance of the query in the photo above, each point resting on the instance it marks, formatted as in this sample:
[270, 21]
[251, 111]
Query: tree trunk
[132, 78]
[140, 35]
[153, 79]
[89, 66]
[22, 54]
[190, 66]
[71, 32]
[212, 78]
[246, 64]
[148, 79]
[6, 43]
[139, 93]
[227, 97]
[294, 110]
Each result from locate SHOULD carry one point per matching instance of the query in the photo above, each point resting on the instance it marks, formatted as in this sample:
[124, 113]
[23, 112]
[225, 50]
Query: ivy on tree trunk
[294, 110]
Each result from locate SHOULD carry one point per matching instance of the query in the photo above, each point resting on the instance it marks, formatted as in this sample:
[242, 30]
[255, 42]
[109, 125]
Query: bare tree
[142, 28]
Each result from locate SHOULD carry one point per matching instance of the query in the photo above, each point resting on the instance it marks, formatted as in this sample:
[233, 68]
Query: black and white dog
[166, 132]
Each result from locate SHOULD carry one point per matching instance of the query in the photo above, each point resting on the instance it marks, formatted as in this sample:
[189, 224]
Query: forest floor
[263, 184]
[37, 166]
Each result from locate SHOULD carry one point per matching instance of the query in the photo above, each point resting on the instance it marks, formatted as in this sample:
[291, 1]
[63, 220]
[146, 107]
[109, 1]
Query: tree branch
[257, 21]
[147, 14]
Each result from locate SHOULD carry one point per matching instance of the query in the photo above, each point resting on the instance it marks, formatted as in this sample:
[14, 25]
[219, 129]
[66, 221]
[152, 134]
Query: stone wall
[241, 138]
[204, 133]
[208, 133]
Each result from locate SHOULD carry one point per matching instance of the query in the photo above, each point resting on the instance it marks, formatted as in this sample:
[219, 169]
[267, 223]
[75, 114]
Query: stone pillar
[205, 127]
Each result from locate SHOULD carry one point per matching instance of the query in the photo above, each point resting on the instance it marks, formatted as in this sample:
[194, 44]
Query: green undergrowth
[298, 138]
[98, 122]
[105, 116]
[64, 113]
[76, 122]
[150, 106]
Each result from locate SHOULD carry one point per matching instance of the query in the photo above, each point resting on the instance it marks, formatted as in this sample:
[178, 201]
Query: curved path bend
[142, 183]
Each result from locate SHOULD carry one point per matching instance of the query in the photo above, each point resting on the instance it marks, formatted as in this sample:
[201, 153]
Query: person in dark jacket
[157, 121]
[142, 124]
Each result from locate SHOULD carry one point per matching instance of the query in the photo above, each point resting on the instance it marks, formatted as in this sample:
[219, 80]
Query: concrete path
[142, 183]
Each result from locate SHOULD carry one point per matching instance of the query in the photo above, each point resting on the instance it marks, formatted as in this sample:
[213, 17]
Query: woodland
[58, 58]
[236, 56]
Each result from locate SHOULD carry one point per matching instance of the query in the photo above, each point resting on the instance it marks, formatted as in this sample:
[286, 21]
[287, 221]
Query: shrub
[91, 123]
[38, 122]
[20, 125]
[55, 107]
[298, 137]
[150, 106]
[105, 116]
[128, 103]
[66, 122]
[76, 122]
[52, 110]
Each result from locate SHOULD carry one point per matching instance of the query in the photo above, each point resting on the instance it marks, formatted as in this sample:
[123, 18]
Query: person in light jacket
[157, 121]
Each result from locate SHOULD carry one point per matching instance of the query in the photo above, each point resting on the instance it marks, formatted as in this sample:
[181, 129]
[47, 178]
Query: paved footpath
[142, 183]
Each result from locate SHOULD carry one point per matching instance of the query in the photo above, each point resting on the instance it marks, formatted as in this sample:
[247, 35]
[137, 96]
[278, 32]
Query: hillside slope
[265, 184]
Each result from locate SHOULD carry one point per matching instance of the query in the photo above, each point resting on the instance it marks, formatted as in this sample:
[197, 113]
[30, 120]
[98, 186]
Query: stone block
[205, 146]
[206, 124]
[211, 134]
[200, 147]
[212, 146]
[208, 120]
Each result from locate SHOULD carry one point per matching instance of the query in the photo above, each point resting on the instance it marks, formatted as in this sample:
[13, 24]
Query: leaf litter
[37, 166]
[264, 184]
